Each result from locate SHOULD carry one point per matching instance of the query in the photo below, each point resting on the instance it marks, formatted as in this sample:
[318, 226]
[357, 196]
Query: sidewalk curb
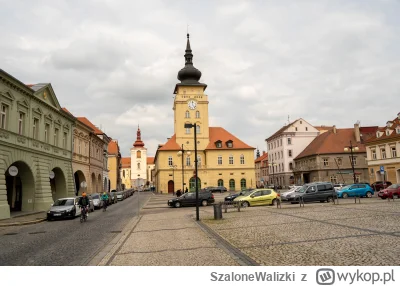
[22, 223]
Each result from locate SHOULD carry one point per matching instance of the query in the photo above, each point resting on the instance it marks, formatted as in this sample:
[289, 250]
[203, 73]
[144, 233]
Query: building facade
[325, 158]
[126, 173]
[383, 150]
[285, 145]
[114, 165]
[35, 147]
[150, 171]
[222, 159]
[262, 172]
[139, 161]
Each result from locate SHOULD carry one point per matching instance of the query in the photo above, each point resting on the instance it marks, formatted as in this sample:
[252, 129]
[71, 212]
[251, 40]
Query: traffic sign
[382, 169]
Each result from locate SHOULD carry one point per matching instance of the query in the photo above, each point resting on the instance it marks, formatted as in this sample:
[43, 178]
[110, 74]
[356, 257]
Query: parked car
[318, 191]
[64, 207]
[120, 196]
[258, 197]
[219, 189]
[339, 186]
[189, 199]
[355, 190]
[97, 202]
[231, 197]
[379, 185]
[113, 197]
[393, 192]
[291, 191]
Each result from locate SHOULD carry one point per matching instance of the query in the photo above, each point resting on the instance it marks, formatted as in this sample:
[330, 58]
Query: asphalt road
[66, 242]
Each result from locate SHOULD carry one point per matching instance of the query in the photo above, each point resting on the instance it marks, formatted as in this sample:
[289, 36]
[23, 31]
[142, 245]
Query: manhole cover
[116, 231]
[11, 233]
[37, 232]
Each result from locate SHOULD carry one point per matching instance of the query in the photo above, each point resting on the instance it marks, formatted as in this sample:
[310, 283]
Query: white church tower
[138, 161]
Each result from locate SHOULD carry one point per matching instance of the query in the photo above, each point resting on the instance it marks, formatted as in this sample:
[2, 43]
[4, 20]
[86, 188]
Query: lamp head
[346, 149]
[188, 125]
[188, 153]
[356, 148]
[179, 153]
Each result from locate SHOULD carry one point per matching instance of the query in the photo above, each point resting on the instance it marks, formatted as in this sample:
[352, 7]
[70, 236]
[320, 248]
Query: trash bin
[217, 211]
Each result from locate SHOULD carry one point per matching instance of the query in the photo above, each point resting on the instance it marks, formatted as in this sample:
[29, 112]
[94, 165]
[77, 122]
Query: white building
[139, 161]
[283, 146]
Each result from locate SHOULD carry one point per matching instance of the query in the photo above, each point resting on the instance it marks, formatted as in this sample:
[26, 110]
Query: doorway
[171, 187]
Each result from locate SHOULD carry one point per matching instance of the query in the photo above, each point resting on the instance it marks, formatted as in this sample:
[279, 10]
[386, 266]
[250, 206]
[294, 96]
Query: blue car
[355, 190]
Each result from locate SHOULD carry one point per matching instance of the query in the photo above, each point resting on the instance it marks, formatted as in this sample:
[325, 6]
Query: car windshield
[95, 196]
[302, 189]
[64, 202]
[346, 188]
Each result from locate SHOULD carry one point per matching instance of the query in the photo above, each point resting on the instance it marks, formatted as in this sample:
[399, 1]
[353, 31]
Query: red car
[393, 192]
[379, 185]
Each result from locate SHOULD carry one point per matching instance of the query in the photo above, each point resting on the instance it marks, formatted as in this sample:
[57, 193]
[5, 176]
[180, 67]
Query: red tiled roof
[67, 111]
[150, 160]
[392, 135]
[261, 158]
[113, 147]
[170, 145]
[86, 121]
[126, 162]
[332, 143]
[219, 133]
[321, 128]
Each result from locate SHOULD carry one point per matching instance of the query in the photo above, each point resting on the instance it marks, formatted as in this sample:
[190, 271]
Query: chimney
[357, 132]
[334, 129]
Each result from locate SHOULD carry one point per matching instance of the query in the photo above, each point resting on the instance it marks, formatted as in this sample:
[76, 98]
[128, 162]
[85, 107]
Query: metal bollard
[278, 204]
[301, 203]
[218, 211]
[355, 199]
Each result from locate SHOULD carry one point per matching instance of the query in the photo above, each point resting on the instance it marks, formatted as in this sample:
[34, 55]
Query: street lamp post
[350, 149]
[273, 164]
[181, 154]
[189, 125]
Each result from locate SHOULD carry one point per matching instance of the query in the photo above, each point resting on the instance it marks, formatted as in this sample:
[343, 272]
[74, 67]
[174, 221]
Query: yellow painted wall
[112, 174]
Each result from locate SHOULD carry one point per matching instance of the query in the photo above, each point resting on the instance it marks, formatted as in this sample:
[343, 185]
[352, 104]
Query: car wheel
[329, 199]
[369, 195]
[204, 203]
[273, 202]
[74, 214]
[177, 204]
[245, 204]
[345, 195]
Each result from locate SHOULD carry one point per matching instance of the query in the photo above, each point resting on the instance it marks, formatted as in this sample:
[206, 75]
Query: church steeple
[138, 142]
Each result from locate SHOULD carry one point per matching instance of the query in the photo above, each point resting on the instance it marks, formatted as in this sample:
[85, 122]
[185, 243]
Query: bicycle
[83, 214]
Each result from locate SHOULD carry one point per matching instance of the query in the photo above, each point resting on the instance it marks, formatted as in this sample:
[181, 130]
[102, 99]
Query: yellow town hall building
[223, 159]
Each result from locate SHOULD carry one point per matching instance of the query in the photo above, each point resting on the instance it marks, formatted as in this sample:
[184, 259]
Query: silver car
[97, 202]
[63, 208]
[291, 191]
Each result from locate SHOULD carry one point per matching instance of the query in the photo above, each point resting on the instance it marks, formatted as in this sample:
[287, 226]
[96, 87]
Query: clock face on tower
[192, 104]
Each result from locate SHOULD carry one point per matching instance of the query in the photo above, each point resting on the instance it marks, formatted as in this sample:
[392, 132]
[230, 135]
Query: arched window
[243, 184]
[138, 166]
[187, 114]
[138, 154]
[232, 184]
[220, 183]
[197, 129]
[197, 114]
[242, 159]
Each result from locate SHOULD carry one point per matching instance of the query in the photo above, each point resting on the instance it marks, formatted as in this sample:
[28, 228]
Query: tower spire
[138, 142]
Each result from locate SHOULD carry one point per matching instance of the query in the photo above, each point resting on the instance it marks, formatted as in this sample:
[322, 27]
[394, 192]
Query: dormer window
[229, 144]
[398, 130]
[387, 132]
[389, 124]
[398, 116]
[377, 134]
[218, 144]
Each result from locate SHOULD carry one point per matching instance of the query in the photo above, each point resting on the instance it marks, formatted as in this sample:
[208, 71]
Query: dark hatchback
[231, 197]
[189, 199]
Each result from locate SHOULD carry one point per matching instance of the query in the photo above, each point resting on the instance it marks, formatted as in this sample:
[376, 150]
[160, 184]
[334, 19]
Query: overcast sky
[116, 62]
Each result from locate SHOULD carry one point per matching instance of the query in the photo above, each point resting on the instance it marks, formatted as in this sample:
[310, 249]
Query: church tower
[138, 160]
[190, 104]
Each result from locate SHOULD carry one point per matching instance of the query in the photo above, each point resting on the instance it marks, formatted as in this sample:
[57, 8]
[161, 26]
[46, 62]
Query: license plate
[57, 214]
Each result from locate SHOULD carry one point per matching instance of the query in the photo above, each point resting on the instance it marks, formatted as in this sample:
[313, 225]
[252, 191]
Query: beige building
[222, 158]
[383, 150]
[325, 158]
[262, 172]
[114, 165]
[150, 171]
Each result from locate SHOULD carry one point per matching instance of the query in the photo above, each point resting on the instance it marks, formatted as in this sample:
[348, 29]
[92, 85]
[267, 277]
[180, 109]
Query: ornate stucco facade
[35, 147]
[114, 165]
[222, 159]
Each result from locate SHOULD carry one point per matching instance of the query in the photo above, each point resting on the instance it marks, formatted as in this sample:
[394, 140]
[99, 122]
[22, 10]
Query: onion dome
[189, 74]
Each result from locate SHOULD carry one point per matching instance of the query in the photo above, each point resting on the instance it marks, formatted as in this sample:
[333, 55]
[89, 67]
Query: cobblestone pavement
[365, 233]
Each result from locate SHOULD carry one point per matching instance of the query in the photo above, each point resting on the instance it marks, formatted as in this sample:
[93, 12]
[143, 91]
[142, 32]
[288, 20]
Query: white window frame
[21, 123]
[393, 152]
[197, 114]
[187, 130]
[187, 161]
[197, 129]
[170, 161]
[383, 153]
[187, 114]
[242, 159]
[231, 161]
[219, 160]
[3, 116]
[373, 154]
[56, 132]
[46, 132]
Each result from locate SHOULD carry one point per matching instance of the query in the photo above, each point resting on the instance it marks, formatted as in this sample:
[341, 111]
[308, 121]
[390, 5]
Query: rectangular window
[219, 160]
[198, 160]
[56, 137]
[373, 154]
[290, 153]
[46, 133]
[231, 160]
[306, 128]
[326, 163]
[65, 140]
[169, 161]
[21, 123]
[289, 141]
[187, 161]
[394, 152]
[383, 153]
[242, 160]
[3, 116]
[35, 128]
[354, 160]
[187, 130]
